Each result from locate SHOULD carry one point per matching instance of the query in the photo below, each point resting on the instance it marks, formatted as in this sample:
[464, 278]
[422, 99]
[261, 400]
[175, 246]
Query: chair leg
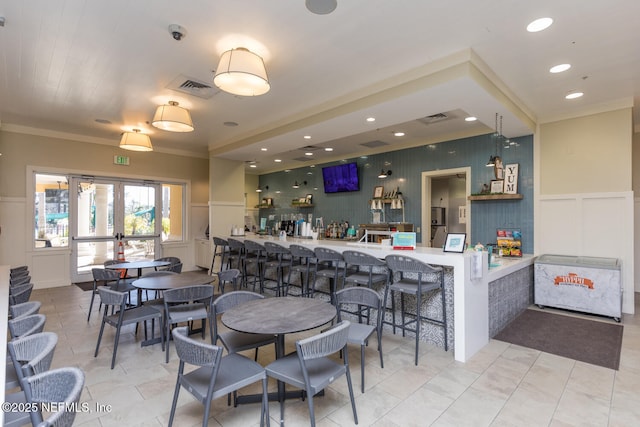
[115, 347]
[264, 412]
[419, 300]
[99, 339]
[312, 415]
[353, 402]
[175, 401]
[93, 295]
[444, 316]
[362, 367]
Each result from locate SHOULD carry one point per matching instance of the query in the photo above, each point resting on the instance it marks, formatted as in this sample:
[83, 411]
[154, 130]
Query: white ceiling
[66, 63]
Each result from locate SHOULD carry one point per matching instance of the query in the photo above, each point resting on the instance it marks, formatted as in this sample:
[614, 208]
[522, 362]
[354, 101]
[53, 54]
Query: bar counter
[468, 272]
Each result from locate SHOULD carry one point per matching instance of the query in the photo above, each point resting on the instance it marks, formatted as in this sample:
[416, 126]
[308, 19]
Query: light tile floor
[502, 385]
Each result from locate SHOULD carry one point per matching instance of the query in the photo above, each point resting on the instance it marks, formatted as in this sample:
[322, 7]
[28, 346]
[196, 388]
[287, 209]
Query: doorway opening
[445, 204]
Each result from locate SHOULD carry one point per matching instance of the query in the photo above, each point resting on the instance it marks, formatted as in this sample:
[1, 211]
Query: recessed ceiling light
[559, 68]
[263, 149]
[312, 166]
[309, 173]
[398, 134]
[104, 121]
[231, 124]
[307, 137]
[328, 149]
[470, 119]
[287, 170]
[277, 191]
[371, 119]
[308, 153]
[277, 160]
[539, 25]
[574, 95]
[253, 166]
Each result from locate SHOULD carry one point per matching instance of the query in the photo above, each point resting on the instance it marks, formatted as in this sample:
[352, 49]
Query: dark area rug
[85, 286]
[586, 340]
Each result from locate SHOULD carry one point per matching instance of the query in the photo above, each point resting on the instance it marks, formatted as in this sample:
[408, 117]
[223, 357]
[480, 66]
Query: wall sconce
[296, 185]
[259, 190]
[384, 174]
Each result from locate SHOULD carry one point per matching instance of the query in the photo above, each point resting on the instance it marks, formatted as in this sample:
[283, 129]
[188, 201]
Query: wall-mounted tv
[341, 178]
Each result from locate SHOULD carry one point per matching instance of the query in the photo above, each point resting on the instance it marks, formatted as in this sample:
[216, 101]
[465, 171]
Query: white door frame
[427, 176]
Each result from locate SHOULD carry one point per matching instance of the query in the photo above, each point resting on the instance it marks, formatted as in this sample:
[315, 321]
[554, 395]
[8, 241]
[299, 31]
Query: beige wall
[19, 150]
[636, 161]
[587, 154]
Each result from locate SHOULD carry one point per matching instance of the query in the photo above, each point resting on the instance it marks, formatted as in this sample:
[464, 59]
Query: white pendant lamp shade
[136, 141]
[173, 118]
[241, 72]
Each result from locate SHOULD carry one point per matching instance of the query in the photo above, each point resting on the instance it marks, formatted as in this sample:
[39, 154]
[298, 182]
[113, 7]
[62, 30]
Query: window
[51, 216]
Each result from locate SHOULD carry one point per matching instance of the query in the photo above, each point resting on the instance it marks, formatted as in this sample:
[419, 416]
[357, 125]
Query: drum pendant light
[241, 72]
[135, 141]
[173, 118]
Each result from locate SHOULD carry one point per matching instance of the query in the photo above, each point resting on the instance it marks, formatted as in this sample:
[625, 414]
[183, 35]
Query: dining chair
[188, 304]
[228, 276]
[359, 333]
[330, 265]
[235, 341]
[311, 369]
[279, 259]
[26, 325]
[29, 355]
[429, 280]
[215, 375]
[20, 270]
[24, 309]
[19, 280]
[20, 293]
[63, 386]
[102, 277]
[303, 260]
[123, 316]
[171, 267]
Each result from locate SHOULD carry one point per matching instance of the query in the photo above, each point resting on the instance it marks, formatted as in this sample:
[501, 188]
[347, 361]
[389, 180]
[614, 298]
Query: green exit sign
[121, 160]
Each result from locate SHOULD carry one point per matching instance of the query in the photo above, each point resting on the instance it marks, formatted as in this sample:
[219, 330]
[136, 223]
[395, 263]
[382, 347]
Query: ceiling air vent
[435, 118]
[374, 144]
[192, 86]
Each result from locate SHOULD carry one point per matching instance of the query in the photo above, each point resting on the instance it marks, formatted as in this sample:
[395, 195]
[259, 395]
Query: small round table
[169, 280]
[139, 265]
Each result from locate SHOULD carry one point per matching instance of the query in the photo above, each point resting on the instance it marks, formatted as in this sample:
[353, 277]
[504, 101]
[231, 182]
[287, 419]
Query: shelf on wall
[301, 205]
[480, 197]
[265, 206]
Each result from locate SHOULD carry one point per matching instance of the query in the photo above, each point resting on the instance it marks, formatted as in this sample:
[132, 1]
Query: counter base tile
[508, 297]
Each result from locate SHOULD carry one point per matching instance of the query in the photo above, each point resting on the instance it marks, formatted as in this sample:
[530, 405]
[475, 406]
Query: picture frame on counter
[497, 186]
[455, 242]
[378, 191]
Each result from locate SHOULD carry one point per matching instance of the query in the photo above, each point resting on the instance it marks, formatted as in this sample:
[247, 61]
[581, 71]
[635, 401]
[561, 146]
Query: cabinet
[204, 253]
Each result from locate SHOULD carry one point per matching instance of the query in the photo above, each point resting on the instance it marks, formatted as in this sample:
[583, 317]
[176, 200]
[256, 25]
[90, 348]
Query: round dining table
[138, 265]
[161, 281]
[278, 316]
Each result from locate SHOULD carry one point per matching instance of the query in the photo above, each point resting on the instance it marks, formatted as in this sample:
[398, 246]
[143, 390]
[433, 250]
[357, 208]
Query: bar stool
[429, 279]
[331, 265]
[362, 273]
[278, 258]
[220, 250]
[236, 257]
[255, 255]
[303, 260]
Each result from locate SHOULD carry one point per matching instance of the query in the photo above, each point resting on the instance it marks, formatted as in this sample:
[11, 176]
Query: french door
[109, 212]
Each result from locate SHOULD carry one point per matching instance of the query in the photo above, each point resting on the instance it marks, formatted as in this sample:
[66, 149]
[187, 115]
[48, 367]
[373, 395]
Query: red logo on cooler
[573, 279]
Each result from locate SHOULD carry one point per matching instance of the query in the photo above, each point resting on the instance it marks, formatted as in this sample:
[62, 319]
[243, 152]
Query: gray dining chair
[215, 375]
[62, 386]
[188, 304]
[122, 316]
[24, 309]
[228, 276]
[235, 341]
[20, 293]
[311, 369]
[102, 277]
[29, 355]
[26, 325]
[359, 333]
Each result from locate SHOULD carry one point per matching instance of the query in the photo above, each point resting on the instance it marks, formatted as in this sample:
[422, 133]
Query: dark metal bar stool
[255, 255]
[278, 258]
[220, 250]
[428, 279]
[330, 265]
[303, 261]
[236, 258]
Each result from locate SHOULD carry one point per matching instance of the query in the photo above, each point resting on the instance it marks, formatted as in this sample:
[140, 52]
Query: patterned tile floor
[502, 385]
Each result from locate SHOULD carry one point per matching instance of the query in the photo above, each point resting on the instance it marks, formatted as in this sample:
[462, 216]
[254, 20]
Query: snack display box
[588, 284]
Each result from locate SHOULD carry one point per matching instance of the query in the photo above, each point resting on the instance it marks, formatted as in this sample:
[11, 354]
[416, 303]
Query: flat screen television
[341, 178]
